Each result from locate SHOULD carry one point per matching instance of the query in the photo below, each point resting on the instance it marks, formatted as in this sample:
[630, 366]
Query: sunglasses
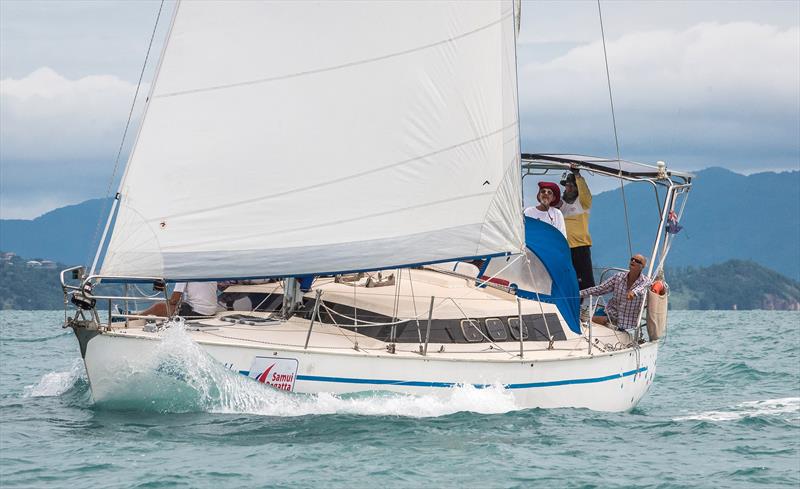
[634, 259]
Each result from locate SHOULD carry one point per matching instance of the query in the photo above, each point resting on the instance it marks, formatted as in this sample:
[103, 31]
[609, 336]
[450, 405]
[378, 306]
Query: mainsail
[292, 138]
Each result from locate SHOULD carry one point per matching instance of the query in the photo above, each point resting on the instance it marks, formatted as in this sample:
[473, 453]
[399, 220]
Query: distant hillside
[23, 287]
[735, 284]
[64, 234]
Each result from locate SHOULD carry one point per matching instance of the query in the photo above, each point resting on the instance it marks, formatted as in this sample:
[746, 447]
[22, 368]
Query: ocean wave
[722, 375]
[36, 339]
[180, 376]
[749, 409]
[54, 384]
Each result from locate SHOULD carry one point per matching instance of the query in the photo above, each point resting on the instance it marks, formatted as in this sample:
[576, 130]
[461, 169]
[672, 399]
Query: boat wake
[54, 384]
[493, 400]
[750, 409]
[179, 376]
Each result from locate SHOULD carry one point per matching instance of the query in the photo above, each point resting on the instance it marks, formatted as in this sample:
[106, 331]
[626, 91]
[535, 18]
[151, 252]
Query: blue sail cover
[550, 246]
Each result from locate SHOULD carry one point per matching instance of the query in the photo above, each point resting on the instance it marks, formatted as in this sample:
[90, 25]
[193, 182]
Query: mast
[292, 297]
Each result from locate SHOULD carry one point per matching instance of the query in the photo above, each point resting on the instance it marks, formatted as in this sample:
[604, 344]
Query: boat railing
[423, 347]
[86, 289]
[606, 270]
[596, 301]
[77, 272]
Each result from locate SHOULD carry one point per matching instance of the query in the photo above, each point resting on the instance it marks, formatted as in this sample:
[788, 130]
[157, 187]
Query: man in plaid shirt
[629, 291]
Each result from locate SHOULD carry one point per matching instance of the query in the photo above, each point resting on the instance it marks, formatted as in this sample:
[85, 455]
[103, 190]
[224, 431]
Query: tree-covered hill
[24, 287]
[734, 284]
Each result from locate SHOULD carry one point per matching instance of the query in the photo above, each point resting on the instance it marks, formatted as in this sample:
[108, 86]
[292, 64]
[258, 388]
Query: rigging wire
[125, 131]
[614, 122]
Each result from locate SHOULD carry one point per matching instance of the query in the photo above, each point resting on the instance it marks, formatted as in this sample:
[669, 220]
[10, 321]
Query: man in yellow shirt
[576, 203]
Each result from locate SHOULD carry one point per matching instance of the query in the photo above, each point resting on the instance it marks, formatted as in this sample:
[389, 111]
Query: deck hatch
[472, 330]
[513, 326]
[496, 329]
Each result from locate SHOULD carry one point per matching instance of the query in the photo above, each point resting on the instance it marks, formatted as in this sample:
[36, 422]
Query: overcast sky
[695, 83]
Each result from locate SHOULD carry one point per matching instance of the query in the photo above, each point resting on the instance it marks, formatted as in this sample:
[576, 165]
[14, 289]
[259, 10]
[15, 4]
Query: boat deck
[325, 338]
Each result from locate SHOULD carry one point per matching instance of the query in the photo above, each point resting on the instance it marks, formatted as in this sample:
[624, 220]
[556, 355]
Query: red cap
[556, 192]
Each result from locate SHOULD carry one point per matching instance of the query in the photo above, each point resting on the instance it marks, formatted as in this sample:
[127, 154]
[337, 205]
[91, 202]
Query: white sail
[290, 138]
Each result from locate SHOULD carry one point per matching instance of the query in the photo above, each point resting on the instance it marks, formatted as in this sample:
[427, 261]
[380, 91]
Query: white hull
[335, 358]
[613, 381]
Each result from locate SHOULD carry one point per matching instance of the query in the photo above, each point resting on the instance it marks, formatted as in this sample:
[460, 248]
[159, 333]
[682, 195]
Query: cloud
[60, 138]
[48, 117]
[710, 94]
[696, 96]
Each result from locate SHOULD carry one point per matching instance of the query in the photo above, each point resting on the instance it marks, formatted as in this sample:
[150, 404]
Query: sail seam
[146, 226]
[342, 179]
[189, 278]
[335, 67]
[228, 239]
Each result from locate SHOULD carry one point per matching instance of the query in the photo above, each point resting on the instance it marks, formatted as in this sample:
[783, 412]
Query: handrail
[527, 165]
[64, 284]
[121, 278]
[562, 162]
[128, 298]
[609, 269]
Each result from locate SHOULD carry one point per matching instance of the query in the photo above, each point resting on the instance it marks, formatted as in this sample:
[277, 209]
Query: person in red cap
[549, 196]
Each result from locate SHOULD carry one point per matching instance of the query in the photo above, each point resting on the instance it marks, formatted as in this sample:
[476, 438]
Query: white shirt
[201, 296]
[551, 216]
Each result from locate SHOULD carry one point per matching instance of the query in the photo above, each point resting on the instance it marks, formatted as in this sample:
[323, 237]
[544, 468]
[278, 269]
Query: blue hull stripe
[416, 383]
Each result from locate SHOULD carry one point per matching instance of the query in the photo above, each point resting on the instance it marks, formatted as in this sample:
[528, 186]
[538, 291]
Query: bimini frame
[677, 185]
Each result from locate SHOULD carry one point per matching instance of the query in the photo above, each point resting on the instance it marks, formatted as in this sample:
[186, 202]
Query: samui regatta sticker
[280, 373]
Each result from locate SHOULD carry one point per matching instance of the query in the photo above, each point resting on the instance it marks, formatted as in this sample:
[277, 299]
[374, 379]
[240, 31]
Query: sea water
[724, 411]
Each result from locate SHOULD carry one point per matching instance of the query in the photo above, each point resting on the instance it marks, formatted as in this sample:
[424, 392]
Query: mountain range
[728, 216]
[67, 234]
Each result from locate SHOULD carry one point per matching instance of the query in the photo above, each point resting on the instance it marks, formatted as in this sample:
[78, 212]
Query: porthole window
[496, 329]
[513, 325]
[471, 330]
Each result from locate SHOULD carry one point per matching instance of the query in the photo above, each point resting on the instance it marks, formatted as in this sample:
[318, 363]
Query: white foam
[181, 376]
[491, 400]
[749, 409]
[54, 384]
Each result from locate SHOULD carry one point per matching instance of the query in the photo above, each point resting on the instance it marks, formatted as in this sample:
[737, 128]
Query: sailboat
[350, 171]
